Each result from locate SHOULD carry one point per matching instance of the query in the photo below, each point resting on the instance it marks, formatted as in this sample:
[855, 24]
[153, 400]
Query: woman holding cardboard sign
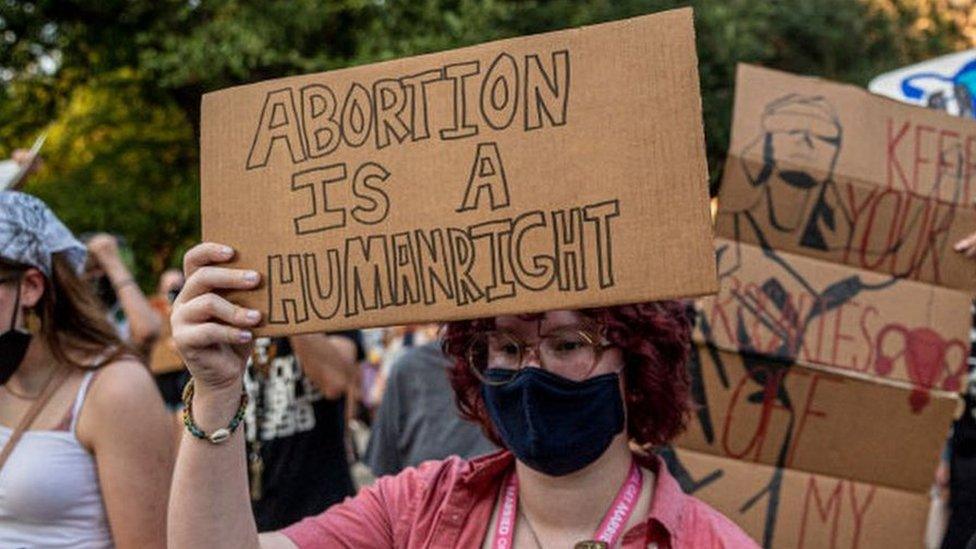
[564, 392]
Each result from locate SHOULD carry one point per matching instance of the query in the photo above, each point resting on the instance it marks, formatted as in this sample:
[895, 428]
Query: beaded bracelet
[218, 436]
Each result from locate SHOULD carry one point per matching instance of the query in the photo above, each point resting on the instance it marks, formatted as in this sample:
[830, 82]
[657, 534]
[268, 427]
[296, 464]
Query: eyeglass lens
[570, 353]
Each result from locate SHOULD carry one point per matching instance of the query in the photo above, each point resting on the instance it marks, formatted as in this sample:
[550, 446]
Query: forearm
[144, 323]
[210, 505]
[329, 366]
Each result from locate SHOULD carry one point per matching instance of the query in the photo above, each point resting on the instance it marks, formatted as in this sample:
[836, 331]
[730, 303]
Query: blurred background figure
[170, 284]
[955, 478]
[298, 462]
[417, 419]
[128, 310]
[960, 464]
[164, 362]
[396, 341]
[22, 163]
[374, 342]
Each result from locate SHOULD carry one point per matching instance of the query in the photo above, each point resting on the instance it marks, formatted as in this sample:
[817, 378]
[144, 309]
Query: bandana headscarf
[30, 234]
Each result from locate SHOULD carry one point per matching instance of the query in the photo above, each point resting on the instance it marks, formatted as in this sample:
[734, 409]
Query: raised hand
[212, 334]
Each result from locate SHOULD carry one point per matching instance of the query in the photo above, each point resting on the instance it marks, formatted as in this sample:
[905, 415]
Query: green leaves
[118, 161]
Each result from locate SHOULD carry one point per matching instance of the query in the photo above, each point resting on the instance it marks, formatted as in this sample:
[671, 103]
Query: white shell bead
[220, 435]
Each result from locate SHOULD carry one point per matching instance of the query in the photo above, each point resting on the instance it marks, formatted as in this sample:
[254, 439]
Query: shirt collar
[667, 503]
[487, 468]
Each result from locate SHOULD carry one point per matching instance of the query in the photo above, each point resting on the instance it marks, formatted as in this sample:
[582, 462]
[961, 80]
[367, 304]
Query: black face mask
[553, 424]
[13, 346]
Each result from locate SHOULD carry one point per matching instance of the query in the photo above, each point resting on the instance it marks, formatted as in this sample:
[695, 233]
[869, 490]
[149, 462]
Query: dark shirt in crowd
[418, 420]
[962, 483]
[962, 466]
[302, 438]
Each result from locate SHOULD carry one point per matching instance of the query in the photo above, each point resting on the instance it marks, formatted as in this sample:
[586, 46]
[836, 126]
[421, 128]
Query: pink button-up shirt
[448, 504]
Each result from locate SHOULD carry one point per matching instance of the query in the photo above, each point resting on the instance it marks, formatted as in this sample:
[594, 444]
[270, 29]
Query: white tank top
[49, 491]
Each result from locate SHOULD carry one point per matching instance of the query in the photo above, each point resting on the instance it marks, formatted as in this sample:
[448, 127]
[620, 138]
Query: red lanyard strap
[610, 529]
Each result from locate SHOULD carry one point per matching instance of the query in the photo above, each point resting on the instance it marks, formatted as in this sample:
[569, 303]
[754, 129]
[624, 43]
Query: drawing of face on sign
[800, 141]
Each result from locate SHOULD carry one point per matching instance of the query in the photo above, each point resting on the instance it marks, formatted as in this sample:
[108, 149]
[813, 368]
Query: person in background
[128, 309]
[417, 420]
[957, 474]
[398, 340]
[375, 346]
[564, 392]
[169, 286]
[295, 424]
[164, 361]
[957, 468]
[27, 162]
[962, 475]
[87, 446]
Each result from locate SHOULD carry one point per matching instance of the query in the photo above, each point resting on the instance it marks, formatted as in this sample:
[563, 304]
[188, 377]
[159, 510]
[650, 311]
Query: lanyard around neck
[610, 529]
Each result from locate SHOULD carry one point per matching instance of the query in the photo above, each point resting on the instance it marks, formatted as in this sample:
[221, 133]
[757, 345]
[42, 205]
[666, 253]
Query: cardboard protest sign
[560, 170]
[809, 510]
[835, 173]
[791, 307]
[946, 83]
[826, 363]
[812, 419]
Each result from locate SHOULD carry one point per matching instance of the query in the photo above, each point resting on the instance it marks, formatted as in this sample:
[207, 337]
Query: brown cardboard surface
[814, 420]
[825, 365]
[793, 509]
[560, 170]
[797, 308]
[835, 173]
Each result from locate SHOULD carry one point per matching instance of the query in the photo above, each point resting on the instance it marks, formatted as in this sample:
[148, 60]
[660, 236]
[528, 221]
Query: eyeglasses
[496, 356]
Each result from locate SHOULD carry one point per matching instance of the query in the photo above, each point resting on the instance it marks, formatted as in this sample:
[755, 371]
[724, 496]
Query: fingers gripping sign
[212, 334]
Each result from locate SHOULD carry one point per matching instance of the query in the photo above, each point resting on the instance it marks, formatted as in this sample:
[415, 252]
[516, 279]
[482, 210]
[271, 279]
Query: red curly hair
[655, 338]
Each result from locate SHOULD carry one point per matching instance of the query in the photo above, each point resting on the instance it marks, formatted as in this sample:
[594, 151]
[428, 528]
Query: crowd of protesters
[514, 431]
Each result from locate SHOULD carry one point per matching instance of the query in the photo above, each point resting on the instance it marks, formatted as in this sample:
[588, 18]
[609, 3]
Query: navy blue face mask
[552, 424]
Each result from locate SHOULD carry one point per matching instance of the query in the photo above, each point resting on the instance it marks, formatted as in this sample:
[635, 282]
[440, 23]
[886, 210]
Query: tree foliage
[117, 83]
